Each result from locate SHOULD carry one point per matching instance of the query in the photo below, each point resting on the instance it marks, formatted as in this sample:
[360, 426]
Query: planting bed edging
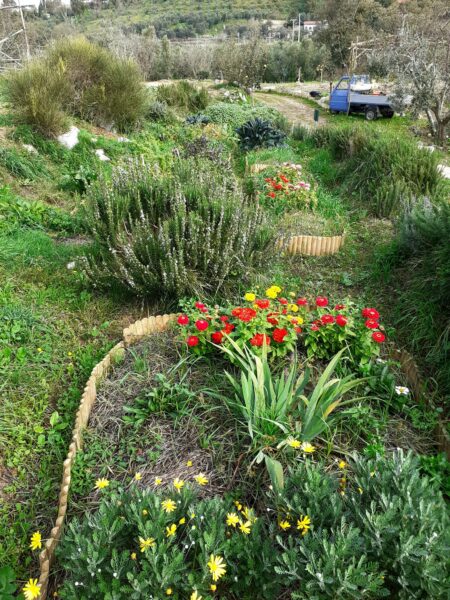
[313, 245]
[131, 334]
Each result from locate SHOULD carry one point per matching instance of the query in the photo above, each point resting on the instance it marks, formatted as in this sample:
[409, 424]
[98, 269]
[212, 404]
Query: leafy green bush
[78, 78]
[235, 115]
[259, 134]
[383, 533]
[162, 235]
[157, 111]
[183, 94]
[22, 164]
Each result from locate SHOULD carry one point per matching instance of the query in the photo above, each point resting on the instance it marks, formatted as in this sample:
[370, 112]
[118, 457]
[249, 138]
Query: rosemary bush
[160, 235]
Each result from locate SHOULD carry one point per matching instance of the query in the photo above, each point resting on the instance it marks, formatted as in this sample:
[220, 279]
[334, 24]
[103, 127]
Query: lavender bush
[158, 235]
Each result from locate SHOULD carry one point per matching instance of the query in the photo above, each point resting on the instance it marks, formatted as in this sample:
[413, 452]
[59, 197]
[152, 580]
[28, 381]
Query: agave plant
[258, 133]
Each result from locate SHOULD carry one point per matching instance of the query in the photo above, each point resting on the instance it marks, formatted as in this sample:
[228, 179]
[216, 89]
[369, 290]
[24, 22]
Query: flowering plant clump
[276, 324]
[287, 190]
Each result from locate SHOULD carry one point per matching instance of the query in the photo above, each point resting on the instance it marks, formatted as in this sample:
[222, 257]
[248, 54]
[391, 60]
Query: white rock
[71, 265]
[69, 139]
[444, 171]
[101, 154]
[123, 139]
[31, 149]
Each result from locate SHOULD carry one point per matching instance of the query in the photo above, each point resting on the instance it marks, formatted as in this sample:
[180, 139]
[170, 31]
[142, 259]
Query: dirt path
[294, 109]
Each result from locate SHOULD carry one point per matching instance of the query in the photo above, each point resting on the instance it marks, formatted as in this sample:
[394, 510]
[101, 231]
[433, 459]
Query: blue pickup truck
[344, 100]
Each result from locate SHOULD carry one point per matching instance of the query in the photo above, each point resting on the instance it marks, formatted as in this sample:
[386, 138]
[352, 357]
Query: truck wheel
[371, 114]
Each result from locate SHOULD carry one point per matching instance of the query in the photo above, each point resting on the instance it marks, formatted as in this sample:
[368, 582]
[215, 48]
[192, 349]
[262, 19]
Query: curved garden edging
[314, 245]
[131, 334]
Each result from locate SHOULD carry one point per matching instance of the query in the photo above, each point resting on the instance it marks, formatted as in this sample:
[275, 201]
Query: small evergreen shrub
[157, 111]
[160, 235]
[259, 134]
[183, 94]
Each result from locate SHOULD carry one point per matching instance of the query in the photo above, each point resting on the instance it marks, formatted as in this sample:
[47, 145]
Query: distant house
[31, 4]
[311, 26]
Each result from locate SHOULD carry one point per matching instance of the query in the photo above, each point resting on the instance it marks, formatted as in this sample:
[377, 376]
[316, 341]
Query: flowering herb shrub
[287, 190]
[275, 323]
[384, 533]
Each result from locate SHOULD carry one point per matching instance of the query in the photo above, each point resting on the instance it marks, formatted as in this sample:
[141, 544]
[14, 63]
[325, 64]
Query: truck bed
[376, 99]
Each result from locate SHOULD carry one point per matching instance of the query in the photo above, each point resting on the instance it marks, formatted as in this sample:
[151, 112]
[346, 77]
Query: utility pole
[299, 27]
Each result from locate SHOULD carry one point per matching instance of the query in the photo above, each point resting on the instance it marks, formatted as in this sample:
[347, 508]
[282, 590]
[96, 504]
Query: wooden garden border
[314, 245]
[132, 334]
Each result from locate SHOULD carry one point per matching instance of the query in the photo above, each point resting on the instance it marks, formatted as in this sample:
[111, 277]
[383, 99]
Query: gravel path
[294, 109]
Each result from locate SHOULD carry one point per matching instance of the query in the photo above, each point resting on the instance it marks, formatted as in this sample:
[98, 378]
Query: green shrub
[159, 235]
[157, 111]
[38, 94]
[259, 134]
[383, 533]
[235, 115]
[183, 94]
[78, 78]
[22, 164]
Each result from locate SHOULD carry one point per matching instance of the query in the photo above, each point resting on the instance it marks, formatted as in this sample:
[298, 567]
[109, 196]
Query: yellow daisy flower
[276, 288]
[189, 463]
[213, 587]
[284, 525]
[232, 519]
[250, 297]
[308, 448]
[36, 541]
[171, 530]
[192, 515]
[100, 484]
[138, 476]
[271, 293]
[169, 592]
[168, 505]
[238, 504]
[293, 308]
[245, 527]
[145, 512]
[31, 589]
[158, 481]
[201, 479]
[195, 596]
[304, 524]
[178, 484]
[342, 464]
[217, 567]
[146, 543]
[182, 521]
[133, 556]
[293, 443]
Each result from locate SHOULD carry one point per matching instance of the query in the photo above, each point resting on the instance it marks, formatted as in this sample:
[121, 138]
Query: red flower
[339, 307]
[262, 303]
[271, 194]
[371, 324]
[247, 314]
[378, 337]
[283, 301]
[201, 324]
[200, 306]
[236, 312]
[298, 330]
[370, 313]
[229, 328]
[302, 302]
[321, 301]
[183, 320]
[267, 179]
[317, 322]
[327, 319]
[258, 339]
[217, 337]
[192, 341]
[278, 186]
[341, 320]
[279, 335]
[271, 320]
[284, 178]
[314, 327]
[224, 318]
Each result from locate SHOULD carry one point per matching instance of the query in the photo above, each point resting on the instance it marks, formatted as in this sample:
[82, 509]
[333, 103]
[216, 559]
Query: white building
[311, 26]
[32, 4]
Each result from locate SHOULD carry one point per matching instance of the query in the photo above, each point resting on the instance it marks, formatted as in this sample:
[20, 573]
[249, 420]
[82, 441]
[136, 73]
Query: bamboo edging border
[313, 245]
[132, 334]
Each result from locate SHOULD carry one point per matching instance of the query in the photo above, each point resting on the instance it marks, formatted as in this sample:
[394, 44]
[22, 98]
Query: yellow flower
[213, 587]
[232, 519]
[238, 504]
[31, 589]
[169, 592]
[40, 350]
[178, 484]
[360, 490]
[308, 448]
[192, 515]
[138, 476]
[245, 527]
[36, 541]
[195, 596]
[146, 543]
[250, 297]
[217, 567]
[293, 443]
[293, 308]
[342, 464]
[303, 524]
[271, 293]
[284, 525]
[276, 288]
[100, 484]
[189, 463]
[247, 513]
[145, 512]
[158, 481]
[201, 479]
[171, 530]
[168, 505]
[133, 556]
[182, 521]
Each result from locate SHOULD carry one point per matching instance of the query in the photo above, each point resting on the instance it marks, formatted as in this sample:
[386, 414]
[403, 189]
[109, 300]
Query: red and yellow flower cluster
[276, 323]
[288, 190]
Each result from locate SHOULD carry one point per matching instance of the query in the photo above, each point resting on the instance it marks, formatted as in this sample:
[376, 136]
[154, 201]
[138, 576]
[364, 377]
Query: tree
[419, 58]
